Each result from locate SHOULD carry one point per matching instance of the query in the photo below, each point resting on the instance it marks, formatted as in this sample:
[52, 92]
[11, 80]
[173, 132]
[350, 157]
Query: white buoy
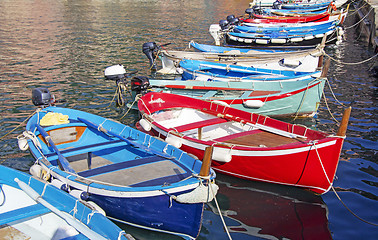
[253, 103]
[22, 143]
[174, 140]
[262, 41]
[221, 155]
[278, 40]
[146, 125]
[36, 171]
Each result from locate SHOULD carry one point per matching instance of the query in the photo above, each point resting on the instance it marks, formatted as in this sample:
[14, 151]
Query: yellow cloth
[54, 119]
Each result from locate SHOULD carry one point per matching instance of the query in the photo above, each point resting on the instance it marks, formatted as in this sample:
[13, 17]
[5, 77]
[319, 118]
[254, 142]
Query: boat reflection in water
[266, 211]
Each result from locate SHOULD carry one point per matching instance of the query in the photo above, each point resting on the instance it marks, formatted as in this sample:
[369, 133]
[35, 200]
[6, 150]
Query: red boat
[245, 145]
[298, 18]
[288, 19]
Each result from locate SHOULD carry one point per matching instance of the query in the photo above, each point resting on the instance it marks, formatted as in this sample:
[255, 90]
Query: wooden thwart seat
[200, 124]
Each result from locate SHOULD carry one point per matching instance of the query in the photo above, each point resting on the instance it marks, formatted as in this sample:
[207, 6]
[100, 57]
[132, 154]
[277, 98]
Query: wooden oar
[206, 162]
[62, 161]
[129, 141]
[344, 122]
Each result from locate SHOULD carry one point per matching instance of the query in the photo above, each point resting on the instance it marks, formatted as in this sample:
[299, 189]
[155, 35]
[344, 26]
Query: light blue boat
[213, 71]
[135, 178]
[277, 99]
[35, 209]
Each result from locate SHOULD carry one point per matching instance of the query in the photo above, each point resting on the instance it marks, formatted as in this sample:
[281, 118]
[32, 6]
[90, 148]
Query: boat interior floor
[140, 172]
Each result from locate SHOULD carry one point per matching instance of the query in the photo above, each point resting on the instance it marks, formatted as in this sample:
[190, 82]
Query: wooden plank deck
[261, 138]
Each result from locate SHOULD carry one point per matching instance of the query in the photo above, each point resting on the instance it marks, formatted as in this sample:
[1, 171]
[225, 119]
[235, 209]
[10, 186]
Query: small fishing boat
[309, 37]
[283, 27]
[214, 71]
[259, 51]
[31, 208]
[135, 178]
[245, 145]
[278, 98]
[302, 61]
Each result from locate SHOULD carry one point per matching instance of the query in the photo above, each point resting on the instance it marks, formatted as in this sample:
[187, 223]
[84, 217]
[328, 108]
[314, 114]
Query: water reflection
[268, 211]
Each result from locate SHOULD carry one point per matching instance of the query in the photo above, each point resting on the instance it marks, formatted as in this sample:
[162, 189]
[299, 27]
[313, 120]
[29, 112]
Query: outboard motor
[115, 72]
[277, 4]
[150, 49]
[230, 17]
[41, 97]
[257, 10]
[249, 11]
[223, 24]
[139, 85]
[234, 21]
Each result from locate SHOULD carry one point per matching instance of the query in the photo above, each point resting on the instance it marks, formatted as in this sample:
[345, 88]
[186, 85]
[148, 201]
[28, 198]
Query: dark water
[66, 45]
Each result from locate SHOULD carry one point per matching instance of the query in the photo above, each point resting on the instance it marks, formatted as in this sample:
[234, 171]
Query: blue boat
[223, 49]
[213, 71]
[306, 5]
[271, 11]
[297, 28]
[135, 178]
[31, 208]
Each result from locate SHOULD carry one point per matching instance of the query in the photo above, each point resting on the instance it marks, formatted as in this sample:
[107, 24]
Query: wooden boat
[278, 99]
[134, 178]
[259, 18]
[305, 5]
[245, 145]
[34, 209]
[302, 61]
[214, 71]
[259, 51]
[283, 27]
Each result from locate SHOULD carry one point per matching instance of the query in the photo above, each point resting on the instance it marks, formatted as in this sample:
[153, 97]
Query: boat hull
[310, 163]
[285, 99]
[115, 186]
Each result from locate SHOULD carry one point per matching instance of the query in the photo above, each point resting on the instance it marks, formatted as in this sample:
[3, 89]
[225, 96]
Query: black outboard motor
[150, 49]
[249, 11]
[232, 20]
[140, 85]
[277, 4]
[257, 10]
[223, 24]
[41, 97]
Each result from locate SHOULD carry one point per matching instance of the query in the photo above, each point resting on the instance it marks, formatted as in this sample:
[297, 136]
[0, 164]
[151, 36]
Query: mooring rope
[360, 20]
[221, 216]
[345, 63]
[333, 189]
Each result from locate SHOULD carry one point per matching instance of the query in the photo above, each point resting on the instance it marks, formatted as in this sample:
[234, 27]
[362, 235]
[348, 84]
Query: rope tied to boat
[333, 189]
[345, 63]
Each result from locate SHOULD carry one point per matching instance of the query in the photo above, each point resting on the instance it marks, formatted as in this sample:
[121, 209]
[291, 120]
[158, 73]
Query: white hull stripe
[249, 153]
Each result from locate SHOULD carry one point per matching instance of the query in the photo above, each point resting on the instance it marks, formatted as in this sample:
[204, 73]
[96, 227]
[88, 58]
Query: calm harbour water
[66, 45]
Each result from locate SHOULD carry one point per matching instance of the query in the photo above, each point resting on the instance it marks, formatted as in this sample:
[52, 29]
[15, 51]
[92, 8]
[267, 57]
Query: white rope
[221, 216]
[345, 63]
[333, 189]
[360, 20]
